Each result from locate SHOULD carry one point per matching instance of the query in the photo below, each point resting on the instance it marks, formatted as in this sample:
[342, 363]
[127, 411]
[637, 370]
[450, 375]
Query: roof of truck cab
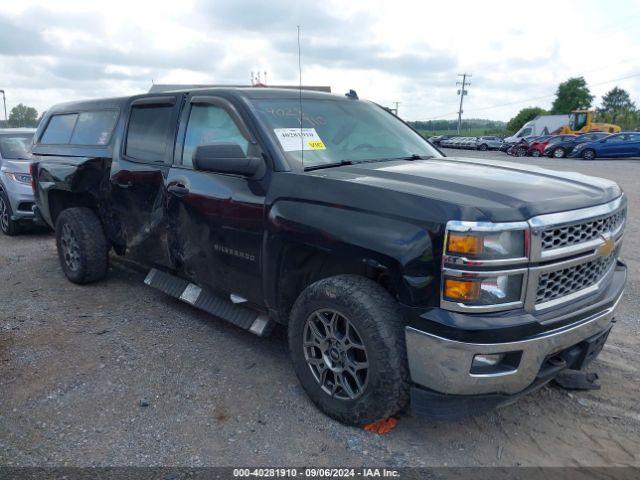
[256, 93]
[94, 104]
[248, 92]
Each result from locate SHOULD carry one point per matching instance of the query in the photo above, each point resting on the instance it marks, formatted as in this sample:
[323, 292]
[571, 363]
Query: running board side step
[243, 317]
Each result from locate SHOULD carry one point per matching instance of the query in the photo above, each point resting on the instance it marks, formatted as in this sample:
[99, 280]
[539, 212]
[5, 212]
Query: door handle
[126, 184]
[177, 189]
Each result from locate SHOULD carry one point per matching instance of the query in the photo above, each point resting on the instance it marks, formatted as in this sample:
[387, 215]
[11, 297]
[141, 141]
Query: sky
[402, 51]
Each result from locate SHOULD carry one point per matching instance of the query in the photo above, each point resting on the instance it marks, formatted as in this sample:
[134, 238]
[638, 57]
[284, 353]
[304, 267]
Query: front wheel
[535, 153]
[521, 152]
[589, 154]
[7, 225]
[346, 338]
[82, 246]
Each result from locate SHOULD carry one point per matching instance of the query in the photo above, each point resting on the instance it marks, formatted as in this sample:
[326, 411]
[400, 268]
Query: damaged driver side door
[138, 178]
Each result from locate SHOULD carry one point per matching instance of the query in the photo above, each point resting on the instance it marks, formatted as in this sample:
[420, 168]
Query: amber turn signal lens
[461, 243]
[461, 290]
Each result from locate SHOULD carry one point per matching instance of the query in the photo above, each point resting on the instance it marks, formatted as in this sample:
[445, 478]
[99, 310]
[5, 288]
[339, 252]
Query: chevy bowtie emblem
[607, 247]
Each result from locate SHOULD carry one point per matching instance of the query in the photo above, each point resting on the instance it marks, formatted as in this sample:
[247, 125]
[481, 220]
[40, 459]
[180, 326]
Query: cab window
[148, 135]
[94, 128]
[209, 124]
[59, 129]
[578, 120]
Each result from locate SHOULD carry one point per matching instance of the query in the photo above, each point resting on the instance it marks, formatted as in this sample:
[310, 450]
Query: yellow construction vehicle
[583, 121]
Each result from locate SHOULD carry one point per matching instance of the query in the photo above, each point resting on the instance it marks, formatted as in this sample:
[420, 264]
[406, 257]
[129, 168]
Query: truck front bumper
[447, 384]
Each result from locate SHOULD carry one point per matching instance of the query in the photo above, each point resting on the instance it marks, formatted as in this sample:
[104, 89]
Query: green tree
[523, 116]
[627, 119]
[23, 116]
[572, 95]
[616, 102]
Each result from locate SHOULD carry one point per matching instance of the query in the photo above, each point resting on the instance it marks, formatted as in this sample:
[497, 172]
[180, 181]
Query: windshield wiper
[413, 156]
[329, 165]
[341, 163]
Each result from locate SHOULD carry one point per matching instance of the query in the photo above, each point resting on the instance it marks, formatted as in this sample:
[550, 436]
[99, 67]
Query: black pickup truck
[403, 276]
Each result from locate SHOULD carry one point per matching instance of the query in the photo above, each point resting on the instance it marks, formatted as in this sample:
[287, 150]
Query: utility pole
[462, 92]
[4, 101]
[396, 109]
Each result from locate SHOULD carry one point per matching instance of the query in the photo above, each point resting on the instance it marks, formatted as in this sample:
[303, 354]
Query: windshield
[15, 146]
[337, 131]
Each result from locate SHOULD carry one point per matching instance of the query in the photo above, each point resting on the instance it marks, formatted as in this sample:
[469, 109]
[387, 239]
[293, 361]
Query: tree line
[574, 94]
[23, 116]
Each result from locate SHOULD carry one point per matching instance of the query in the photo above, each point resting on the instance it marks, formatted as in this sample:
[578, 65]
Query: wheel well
[60, 200]
[301, 266]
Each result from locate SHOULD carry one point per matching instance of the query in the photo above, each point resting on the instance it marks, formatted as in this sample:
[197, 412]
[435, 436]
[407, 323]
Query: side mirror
[226, 157]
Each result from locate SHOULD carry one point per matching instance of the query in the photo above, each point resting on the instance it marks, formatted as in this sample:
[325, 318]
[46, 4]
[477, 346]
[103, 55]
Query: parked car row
[587, 146]
[468, 143]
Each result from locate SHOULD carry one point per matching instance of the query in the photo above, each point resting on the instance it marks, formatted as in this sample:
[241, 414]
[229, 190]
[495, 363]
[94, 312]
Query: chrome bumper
[444, 365]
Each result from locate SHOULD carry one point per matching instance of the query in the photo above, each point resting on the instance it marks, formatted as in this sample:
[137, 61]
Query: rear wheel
[483, 147]
[589, 154]
[521, 152]
[535, 153]
[558, 153]
[7, 225]
[346, 338]
[82, 246]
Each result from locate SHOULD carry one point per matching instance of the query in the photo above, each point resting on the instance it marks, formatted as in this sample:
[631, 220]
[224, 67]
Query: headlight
[20, 177]
[483, 289]
[487, 245]
[484, 266]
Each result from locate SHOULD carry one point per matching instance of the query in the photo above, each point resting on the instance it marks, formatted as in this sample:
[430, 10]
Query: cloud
[16, 39]
[401, 51]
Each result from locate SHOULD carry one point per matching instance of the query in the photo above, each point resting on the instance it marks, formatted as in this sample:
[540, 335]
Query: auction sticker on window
[293, 139]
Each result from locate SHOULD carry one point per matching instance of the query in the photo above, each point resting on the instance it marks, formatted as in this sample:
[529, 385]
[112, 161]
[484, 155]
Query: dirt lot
[119, 374]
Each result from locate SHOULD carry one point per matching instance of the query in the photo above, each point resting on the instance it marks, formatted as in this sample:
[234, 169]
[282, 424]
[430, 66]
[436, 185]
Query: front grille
[581, 232]
[563, 282]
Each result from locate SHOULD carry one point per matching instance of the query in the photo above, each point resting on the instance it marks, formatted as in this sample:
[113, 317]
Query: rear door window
[148, 135]
[59, 129]
[94, 128]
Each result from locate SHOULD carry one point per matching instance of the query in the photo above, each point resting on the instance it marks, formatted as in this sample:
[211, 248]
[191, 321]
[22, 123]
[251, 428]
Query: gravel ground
[119, 374]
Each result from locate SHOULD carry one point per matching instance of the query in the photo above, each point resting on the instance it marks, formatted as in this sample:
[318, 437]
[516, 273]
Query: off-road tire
[376, 316]
[92, 246]
[7, 226]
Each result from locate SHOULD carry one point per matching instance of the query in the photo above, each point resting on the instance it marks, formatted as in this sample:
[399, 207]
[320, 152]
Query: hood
[501, 191]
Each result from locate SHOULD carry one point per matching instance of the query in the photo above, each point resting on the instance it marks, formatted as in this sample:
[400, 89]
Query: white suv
[16, 195]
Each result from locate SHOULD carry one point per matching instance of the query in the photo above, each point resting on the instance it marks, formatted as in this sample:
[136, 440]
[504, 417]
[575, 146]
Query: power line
[544, 97]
